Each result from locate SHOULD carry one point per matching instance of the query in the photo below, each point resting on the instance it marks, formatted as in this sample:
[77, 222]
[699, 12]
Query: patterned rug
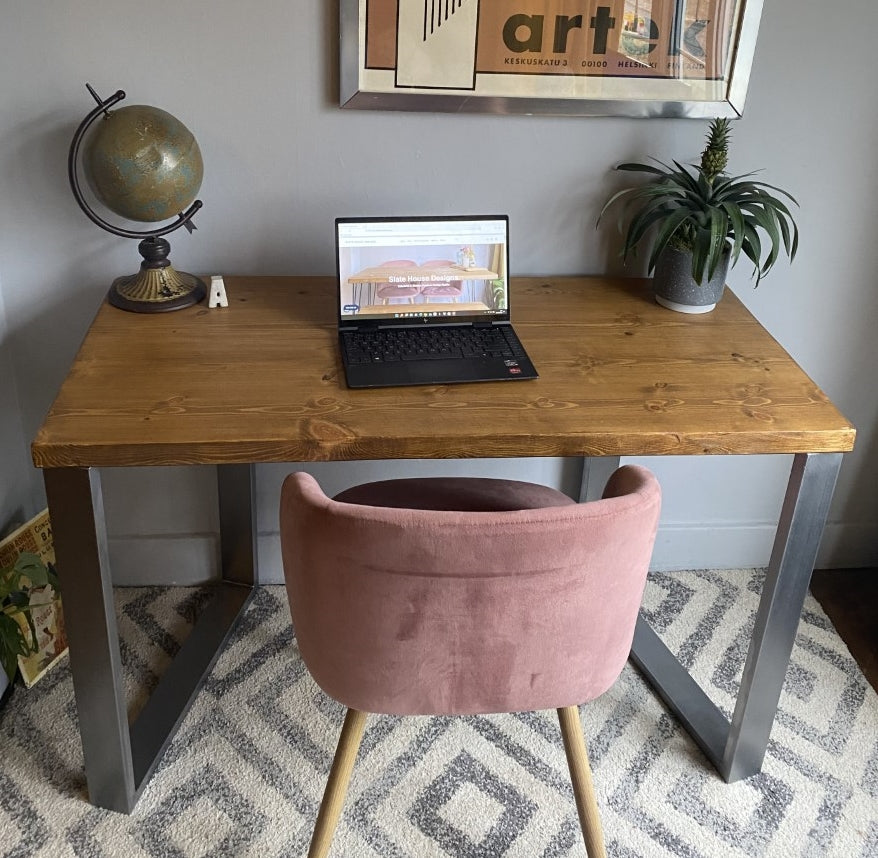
[245, 773]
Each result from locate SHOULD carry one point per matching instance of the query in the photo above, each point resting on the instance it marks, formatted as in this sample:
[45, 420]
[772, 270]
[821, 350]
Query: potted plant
[700, 220]
[16, 583]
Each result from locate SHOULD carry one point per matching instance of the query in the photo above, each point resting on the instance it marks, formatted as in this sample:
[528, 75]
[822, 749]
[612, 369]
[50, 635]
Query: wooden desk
[261, 381]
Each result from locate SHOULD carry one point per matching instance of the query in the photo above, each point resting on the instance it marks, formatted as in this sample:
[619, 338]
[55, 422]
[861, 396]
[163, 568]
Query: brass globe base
[156, 290]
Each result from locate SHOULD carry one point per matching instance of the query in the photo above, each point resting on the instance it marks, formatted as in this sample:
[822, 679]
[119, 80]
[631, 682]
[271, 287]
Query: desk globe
[144, 165]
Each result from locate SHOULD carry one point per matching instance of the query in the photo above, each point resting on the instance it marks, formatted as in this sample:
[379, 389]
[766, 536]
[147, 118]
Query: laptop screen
[423, 269]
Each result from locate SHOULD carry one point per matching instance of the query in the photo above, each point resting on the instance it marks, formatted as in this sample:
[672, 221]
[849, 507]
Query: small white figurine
[217, 292]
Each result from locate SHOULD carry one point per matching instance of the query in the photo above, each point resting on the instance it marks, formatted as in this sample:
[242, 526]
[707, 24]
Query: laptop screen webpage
[437, 269]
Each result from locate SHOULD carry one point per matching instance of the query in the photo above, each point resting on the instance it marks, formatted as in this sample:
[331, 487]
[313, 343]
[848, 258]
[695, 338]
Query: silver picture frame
[637, 58]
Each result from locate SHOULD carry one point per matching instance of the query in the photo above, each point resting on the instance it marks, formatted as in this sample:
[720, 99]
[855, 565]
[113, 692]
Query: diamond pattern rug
[245, 774]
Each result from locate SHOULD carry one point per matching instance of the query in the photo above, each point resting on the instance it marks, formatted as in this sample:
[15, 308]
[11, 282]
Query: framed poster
[668, 58]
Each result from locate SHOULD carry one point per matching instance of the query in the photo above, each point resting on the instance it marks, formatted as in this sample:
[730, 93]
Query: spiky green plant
[702, 210]
[498, 294]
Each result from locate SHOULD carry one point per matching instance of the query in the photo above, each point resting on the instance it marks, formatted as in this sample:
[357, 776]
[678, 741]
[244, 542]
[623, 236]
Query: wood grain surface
[261, 381]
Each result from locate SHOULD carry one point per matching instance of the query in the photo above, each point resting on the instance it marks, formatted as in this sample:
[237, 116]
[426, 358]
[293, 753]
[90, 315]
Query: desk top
[261, 381]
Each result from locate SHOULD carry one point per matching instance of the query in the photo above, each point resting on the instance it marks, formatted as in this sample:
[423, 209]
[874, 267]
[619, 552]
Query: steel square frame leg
[596, 470]
[121, 757]
[737, 749]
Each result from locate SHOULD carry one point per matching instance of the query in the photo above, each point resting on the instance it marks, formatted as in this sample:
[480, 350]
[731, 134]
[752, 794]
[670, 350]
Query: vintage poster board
[588, 57]
[35, 537]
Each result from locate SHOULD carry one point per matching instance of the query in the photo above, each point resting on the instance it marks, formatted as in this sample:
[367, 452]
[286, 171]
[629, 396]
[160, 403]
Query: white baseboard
[192, 560]
[694, 547]
[187, 560]
[271, 567]
[712, 547]
[844, 546]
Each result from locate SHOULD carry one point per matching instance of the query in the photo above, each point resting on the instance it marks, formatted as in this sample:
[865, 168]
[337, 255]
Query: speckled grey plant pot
[675, 289]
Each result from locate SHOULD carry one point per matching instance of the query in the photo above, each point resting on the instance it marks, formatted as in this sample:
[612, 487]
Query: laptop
[425, 300]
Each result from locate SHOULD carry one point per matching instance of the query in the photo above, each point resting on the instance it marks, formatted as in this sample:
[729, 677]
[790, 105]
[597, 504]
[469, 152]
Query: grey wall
[258, 86]
[15, 495]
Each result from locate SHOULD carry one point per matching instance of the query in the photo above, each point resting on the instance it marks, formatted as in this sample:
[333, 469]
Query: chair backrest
[413, 611]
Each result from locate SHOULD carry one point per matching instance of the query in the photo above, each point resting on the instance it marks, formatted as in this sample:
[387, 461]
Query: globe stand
[157, 286]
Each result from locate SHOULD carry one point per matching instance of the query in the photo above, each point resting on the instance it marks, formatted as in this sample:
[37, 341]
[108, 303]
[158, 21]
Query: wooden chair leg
[583, 788]
[337, 785]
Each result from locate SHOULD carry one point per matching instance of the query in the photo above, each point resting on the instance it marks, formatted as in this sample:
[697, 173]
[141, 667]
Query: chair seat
[393, 291]
[455, 494]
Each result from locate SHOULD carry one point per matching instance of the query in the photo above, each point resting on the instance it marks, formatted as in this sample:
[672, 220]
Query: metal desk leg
[737, 749]
[237, 509]
[596, 470]
[120, 758]
[76, 509]
[804, 512]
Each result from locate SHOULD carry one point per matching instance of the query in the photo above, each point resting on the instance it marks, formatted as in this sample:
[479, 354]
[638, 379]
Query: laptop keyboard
[402, 344]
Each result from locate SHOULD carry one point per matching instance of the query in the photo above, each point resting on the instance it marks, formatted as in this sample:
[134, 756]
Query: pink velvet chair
[461, 596]
[451, 289]
[389, 291]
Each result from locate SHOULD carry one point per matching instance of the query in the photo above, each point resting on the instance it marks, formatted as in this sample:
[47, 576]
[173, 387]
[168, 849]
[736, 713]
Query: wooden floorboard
[850, 599]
